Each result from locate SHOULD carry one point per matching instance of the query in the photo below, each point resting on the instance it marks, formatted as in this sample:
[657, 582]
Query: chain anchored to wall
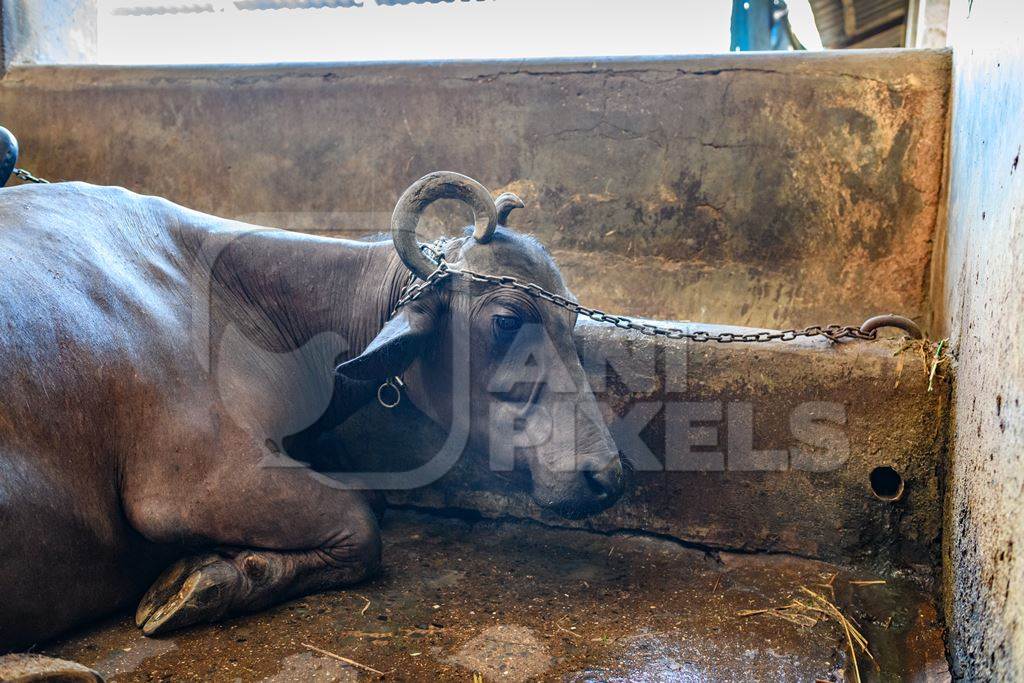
[868, 330]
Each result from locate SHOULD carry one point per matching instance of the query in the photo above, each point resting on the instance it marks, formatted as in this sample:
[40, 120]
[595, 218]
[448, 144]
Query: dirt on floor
[471, 600]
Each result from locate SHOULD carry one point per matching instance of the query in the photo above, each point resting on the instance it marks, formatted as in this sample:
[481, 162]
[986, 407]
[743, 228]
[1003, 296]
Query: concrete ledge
[761, 397]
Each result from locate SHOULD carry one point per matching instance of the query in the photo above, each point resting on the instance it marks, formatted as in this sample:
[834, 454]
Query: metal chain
[412, 291]
[435, 251]
[28, 177]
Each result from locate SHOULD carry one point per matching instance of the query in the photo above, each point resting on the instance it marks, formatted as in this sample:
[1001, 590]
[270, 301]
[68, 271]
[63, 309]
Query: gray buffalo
[161, 370]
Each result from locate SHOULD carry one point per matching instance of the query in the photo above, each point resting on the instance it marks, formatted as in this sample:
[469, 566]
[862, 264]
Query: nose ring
[389, 394]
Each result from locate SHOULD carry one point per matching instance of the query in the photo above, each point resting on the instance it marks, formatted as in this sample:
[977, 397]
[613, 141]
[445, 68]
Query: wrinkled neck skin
[285, 309]
[378, 285]
[350, 289]
[286, 288]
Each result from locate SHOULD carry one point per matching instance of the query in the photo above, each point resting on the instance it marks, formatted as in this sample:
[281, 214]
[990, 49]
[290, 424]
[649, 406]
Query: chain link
[413, 291]
[28, 177]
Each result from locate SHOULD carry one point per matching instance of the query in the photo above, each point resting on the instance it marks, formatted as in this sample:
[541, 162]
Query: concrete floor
[519, 601]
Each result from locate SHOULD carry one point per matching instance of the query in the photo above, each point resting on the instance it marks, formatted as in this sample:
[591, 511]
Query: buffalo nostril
[605, 483]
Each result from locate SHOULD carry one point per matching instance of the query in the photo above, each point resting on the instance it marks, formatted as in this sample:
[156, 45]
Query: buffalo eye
[505, 325]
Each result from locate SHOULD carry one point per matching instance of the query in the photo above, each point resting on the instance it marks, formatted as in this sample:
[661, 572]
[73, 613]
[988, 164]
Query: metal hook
[892, 320]
[395, 384]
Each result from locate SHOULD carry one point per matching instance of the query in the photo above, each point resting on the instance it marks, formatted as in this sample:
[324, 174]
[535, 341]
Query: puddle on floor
[518, 601]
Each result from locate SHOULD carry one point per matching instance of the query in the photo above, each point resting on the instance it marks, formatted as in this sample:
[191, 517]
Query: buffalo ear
[403, 338]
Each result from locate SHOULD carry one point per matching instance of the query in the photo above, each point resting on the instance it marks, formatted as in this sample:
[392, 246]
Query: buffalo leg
[33, 667]
[210, 587]
[273, 533]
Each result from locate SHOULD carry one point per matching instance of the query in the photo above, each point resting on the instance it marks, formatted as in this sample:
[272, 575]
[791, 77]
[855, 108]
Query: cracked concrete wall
[985, 268]
[769, 190]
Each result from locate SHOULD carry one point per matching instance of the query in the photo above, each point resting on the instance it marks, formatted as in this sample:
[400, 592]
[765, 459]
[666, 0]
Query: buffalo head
[524, 398]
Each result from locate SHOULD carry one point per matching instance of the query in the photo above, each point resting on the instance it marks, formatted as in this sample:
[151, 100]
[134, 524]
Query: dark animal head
[495, 360]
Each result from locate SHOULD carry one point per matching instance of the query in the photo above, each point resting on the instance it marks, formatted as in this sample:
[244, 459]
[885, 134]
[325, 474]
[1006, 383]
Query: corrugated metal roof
[141, 8]
[415, 2]
[155, 7]
[891, 37]
[145, 8]
[295, 4]
[860, 23]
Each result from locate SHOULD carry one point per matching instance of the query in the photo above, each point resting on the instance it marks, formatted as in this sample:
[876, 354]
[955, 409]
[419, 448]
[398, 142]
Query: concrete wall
[49, 31]
[927, 22]
[776, 190]
[985, 309]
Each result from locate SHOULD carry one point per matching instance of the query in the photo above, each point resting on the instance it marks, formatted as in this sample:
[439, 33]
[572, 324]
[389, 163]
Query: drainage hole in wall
[886, 483]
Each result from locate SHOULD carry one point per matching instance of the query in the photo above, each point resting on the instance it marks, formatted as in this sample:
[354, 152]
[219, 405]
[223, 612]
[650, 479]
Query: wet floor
[511, 601]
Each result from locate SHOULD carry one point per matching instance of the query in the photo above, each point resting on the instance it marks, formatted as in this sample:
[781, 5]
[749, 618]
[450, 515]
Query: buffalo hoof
[194, 590]
[38, 668]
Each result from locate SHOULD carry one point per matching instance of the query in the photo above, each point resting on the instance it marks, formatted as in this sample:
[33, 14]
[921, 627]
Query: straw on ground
[816, 607]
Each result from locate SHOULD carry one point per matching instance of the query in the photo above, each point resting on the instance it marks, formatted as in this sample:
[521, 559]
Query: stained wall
[770, 190]
[985, 318]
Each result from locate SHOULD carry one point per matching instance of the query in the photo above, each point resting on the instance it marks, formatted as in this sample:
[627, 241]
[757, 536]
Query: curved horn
[505, 204]
[422, 193]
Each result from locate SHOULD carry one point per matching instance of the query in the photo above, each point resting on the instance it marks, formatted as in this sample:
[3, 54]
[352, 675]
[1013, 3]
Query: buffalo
[162, 370]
